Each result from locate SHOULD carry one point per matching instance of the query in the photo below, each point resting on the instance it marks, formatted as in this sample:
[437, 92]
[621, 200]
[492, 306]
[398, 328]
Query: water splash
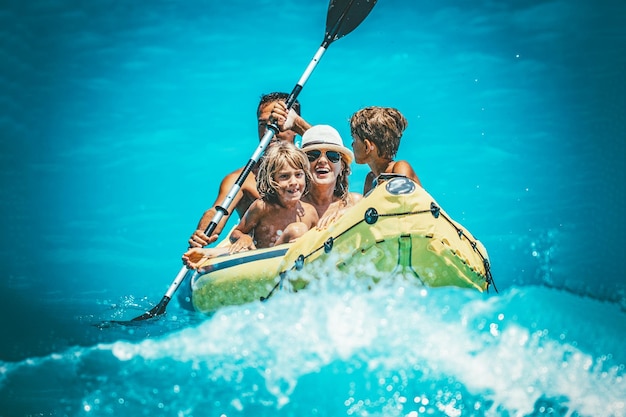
[343, 347]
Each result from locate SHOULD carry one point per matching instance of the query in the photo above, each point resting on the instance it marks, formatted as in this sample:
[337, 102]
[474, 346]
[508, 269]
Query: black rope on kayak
[371, 216]
[327, 246]
[278, 284]
[299, 264]
[488, 277]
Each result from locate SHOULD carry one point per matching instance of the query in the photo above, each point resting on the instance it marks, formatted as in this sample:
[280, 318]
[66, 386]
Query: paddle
[342, 18]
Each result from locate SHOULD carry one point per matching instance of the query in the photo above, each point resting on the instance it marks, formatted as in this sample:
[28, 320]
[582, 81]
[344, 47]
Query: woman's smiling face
[323, 170]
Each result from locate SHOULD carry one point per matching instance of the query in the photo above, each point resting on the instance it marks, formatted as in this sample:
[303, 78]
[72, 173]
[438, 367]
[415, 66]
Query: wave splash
[345, 347]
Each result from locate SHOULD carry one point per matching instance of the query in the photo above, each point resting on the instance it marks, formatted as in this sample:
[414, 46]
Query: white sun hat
[325, 137]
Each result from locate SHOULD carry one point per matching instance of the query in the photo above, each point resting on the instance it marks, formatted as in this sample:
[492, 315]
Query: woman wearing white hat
[330, 166]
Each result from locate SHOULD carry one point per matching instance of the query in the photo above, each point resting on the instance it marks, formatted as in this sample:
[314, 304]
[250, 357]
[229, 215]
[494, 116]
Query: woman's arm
[337, 209]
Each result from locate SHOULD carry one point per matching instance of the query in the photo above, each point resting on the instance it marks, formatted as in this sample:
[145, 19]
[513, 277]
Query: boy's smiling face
[291, 183]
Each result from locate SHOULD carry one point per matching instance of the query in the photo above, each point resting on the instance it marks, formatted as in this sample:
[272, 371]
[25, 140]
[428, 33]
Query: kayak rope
[473, 243]
[371, 216]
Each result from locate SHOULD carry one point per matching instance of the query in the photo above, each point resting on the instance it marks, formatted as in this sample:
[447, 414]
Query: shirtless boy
[279, 216]
[376, 133]
[293, 125]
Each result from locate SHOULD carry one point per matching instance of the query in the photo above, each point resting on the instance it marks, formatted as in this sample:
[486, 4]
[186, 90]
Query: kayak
[398, 228]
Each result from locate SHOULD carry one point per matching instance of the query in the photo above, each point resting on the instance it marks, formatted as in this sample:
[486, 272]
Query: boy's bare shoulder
[261, 206]
[404, 167]
[259, 209]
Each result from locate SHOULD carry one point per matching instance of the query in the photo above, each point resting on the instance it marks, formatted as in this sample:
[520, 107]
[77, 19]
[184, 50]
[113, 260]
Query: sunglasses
[332, 156]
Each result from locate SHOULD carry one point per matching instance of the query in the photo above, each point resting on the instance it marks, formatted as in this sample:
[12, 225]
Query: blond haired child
[278, 216]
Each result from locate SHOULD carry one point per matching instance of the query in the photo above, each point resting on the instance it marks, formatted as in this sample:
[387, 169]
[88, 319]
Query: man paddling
[290, 126]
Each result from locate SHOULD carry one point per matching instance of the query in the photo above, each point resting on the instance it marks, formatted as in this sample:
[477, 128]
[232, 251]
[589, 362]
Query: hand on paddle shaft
[200, 239]
[342, 18]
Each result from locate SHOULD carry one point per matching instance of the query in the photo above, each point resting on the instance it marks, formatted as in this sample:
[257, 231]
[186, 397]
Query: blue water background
[118, 119]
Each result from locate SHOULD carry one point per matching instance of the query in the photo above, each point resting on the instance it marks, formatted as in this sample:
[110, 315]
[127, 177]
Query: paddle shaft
[337, 26]
[331, 35]
[222, 209]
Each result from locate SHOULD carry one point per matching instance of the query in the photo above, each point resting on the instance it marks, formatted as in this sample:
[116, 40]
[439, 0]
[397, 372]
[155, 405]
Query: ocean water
[119, 119]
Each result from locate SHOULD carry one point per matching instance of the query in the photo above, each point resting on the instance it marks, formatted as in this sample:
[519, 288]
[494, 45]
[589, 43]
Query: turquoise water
[117, 121]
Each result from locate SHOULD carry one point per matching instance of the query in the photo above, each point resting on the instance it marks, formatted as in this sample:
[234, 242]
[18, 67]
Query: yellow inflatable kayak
[397, 228]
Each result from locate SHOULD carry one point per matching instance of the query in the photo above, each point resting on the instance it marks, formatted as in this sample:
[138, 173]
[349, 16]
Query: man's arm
[198, 239]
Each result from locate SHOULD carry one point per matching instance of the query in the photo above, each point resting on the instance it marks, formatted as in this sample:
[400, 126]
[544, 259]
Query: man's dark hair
[275, 96]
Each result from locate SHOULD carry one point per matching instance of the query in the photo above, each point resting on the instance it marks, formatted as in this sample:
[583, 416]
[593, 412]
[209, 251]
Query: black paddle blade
[344, 16]
[157, 310]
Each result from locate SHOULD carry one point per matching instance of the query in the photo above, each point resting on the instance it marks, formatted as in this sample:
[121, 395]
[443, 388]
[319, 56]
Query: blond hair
[381, 125]
[276, 157]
